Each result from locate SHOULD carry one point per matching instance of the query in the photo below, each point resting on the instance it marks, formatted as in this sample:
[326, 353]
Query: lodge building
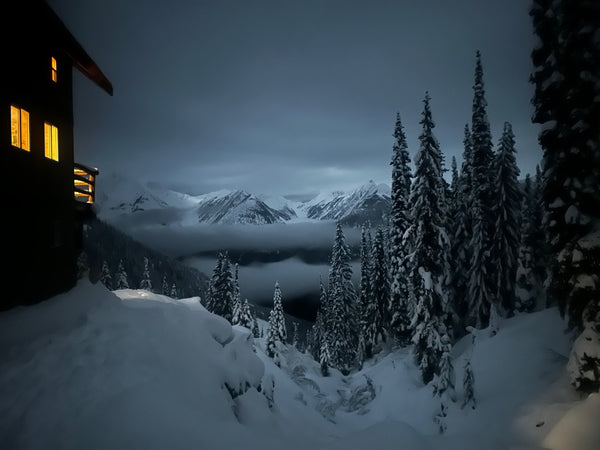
[45, 196]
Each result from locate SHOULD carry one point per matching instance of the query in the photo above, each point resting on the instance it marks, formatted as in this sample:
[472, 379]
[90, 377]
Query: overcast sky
[290, 97]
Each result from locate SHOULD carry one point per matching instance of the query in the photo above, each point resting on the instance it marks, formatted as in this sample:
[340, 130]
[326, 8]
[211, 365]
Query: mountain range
[120, 196]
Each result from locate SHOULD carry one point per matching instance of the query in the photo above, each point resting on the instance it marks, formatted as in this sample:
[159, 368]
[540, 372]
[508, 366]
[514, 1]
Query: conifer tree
[478, 293]
[121, 277]
[105, 277]
[165, 286]
[380, 294]
[83, 266]
[295, 337]
[277, 330]
[173, 293]
[255, 328]
[481, 183]
[146, 283]
[324, 356]
[505, 242]
[398, 314]
[462, 226]
[566, 77]
[428, 237]
[525, 278]
[469, 386]
[365, 273]
[341, 319]
[222, 289]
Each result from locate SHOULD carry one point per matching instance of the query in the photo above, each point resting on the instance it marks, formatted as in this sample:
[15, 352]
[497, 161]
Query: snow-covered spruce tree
[83, 266]
[121, 277]
[525, 288]
[255, 328]
[376, 307]
[105, 276]
[399, 315]
[325, 356]
[478, 294]
[366, 270]
[295, 337]
[506, 209]
[469, 386]
[222, 289]
[566, 77]
[165, 286]
[482, 181]
[245, 318]
[462, 226]
[427, 261]
[319, 327]
[277, 331]
[584, 362]
[173, 293]
[146, 283]
[361, 349]
[341, 321]
[444, 385]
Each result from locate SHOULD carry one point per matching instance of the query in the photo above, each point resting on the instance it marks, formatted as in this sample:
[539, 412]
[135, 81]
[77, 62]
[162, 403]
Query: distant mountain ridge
[119, 196]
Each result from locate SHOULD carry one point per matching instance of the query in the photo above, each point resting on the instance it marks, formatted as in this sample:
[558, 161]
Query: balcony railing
[84, 179]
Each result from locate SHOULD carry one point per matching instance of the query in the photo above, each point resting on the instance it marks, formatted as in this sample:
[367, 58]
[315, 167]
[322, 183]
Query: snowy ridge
[119, 196]
[369, 202]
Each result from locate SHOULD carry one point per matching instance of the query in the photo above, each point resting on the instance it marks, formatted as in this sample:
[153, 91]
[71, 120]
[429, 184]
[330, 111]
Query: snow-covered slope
[91, 369]
[238, 207]
[370, 202]
[120, 197]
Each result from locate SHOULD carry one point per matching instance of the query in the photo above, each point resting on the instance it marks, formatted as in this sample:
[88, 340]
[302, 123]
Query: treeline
[120, 262]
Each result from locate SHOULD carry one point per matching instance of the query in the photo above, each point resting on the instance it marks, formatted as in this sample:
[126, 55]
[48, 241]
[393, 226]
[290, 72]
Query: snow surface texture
[93, 370]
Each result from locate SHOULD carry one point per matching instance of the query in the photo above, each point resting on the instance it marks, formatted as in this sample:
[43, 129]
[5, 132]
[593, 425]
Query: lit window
[54, 69]
[19, 128]
[51, 141]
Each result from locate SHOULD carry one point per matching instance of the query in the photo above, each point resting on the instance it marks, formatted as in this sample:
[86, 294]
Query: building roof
[38, 11]
[81, 60]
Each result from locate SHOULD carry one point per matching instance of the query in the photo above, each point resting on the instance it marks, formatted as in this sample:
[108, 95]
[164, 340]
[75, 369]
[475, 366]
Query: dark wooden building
[45, 196]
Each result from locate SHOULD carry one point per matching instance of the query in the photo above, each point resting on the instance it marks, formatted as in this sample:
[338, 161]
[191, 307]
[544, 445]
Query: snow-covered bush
[584, 362]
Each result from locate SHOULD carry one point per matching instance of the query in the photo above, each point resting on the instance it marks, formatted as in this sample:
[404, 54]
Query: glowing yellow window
[51, 141]
[54, 69]
[19, 128]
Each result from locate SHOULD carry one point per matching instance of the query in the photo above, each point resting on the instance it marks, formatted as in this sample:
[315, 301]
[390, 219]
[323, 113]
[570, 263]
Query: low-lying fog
[293, 254]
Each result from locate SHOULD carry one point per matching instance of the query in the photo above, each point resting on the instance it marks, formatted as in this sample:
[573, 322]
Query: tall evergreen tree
[400, 220]
[505, 242]
[277, 331]
[222, 289]
[566, 77]
[478, 294]
[165, 286]
[121, 277]
[462, 226]
[146, 283]
[341, 318]
[105, 276]
[380, 294]
[481, 181]
[429, 241]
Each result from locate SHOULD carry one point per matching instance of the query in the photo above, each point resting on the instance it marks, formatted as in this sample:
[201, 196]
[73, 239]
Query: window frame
[20, 116]
[53, 69]
[51, 142]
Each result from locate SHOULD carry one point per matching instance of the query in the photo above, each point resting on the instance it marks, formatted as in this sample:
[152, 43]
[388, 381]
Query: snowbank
[88, 369]
[579, 429]
[91, 369]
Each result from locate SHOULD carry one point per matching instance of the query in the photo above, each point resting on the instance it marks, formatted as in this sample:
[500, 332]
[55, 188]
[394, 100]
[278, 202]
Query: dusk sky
[290, 97]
